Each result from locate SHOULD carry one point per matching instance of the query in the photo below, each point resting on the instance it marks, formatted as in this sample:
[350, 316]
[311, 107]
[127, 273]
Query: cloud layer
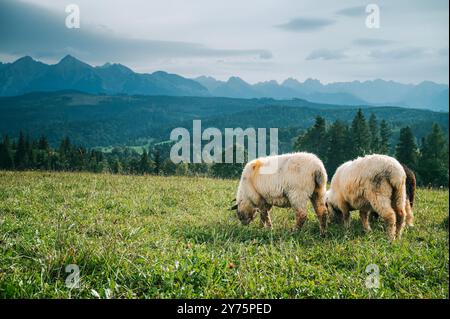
[356, 11]
[34, 31]
[326, 54]
[255, 40]
[306, 24]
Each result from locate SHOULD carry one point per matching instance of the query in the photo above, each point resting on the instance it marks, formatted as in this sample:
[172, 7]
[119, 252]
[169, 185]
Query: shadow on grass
[222, 232]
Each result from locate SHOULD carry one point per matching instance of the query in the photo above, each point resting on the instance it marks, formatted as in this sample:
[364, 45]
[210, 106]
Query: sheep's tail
[410, 184]
[320, 178]
[399, 196]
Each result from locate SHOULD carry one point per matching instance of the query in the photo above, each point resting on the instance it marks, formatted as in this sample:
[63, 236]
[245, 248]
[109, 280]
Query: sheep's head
[334, 213]
[246, 211]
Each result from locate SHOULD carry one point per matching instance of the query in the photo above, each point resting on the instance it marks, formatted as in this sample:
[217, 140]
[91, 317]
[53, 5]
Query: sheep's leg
[383, 206]
[301, 217]
[409, 215]
[298, 201]
[265, 219]
[346, 218]
[400, 222]
[318, 202]
[364, 215]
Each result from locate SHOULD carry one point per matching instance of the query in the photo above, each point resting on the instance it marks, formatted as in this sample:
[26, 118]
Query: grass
[173, 237]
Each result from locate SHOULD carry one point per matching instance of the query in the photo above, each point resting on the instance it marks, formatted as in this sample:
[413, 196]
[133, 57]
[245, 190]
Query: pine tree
[6, 157]
[314, 140]
[168, 167]
[116, 166]
[338, 150]
[157, 160]
[42, 151]
[374, 134]
[43, 143]
[406, 149]
[21, 156]
[227, 170]
[65, 150]
[144, 164]
[360, 135]
[385, 135]
[433, 162]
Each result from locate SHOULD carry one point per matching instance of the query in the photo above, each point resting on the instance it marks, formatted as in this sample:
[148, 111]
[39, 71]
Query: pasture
[173, 237]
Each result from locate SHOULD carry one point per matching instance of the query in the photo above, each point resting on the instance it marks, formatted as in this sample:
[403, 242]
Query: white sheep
[370, 183]
[288, 180]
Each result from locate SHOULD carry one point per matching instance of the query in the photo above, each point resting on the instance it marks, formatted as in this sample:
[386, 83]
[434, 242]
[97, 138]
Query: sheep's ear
[234, 207]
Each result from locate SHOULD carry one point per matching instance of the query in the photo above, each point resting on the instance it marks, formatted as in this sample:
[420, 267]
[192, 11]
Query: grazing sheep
[288, 180]
[411, 185]
[370, 183]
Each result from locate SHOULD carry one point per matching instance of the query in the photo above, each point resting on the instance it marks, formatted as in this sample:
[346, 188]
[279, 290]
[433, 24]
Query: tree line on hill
[338, 142]
[334, 143]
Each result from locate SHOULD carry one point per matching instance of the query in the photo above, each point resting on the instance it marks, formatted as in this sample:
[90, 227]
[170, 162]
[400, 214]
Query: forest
[334, 142]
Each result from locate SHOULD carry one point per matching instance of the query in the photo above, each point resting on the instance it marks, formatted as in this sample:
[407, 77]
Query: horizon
[328, 41]
[217, 79]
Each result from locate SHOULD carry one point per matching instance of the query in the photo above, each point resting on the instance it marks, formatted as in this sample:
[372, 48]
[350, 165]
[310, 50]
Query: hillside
[173, 237]
[102, 120]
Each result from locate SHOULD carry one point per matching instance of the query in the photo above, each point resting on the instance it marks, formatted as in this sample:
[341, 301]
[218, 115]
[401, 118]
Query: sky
[257, 40]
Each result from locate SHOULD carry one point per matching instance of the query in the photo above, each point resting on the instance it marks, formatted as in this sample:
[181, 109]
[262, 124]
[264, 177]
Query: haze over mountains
[27, 75]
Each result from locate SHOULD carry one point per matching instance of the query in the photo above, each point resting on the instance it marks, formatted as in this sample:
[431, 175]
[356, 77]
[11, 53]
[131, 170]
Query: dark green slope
[102, 120]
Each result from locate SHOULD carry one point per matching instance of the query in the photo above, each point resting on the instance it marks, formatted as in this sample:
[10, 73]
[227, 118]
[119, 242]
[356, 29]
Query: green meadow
[174, 237]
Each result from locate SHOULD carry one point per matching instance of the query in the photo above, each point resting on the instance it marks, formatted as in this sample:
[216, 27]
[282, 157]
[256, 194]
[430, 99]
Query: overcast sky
[257, 40]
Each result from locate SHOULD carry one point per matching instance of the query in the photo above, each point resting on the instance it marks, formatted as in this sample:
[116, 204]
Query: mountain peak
[237, 80]
[105, 66]
[68, 59]
[24, 59]
[116, 67]
[204, 78]
[159, 72]
[290, 82]
[312, 81]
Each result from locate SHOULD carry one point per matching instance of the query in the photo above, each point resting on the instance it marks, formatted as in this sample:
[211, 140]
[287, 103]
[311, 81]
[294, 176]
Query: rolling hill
[104, 120]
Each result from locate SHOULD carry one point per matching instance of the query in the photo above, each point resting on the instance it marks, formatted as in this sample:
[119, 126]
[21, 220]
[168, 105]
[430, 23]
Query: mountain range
[27, 75]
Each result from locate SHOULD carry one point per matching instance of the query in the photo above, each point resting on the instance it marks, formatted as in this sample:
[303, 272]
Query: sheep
[287, 180]
[371, 183]
[411, 185]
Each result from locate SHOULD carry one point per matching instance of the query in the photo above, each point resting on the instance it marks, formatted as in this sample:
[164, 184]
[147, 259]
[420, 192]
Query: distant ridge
[428, 95]
[28, 75]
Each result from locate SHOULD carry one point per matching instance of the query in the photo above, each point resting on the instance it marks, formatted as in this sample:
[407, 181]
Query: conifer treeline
[334, 143]
[338, 142]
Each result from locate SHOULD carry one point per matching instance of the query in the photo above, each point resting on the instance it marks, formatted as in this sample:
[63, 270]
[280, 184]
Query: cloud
[306, 24]
[32, 30]
[372, 42]
[326, 54]
[265, 55]
[443, 52]
[352, 11]
[398, 54]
